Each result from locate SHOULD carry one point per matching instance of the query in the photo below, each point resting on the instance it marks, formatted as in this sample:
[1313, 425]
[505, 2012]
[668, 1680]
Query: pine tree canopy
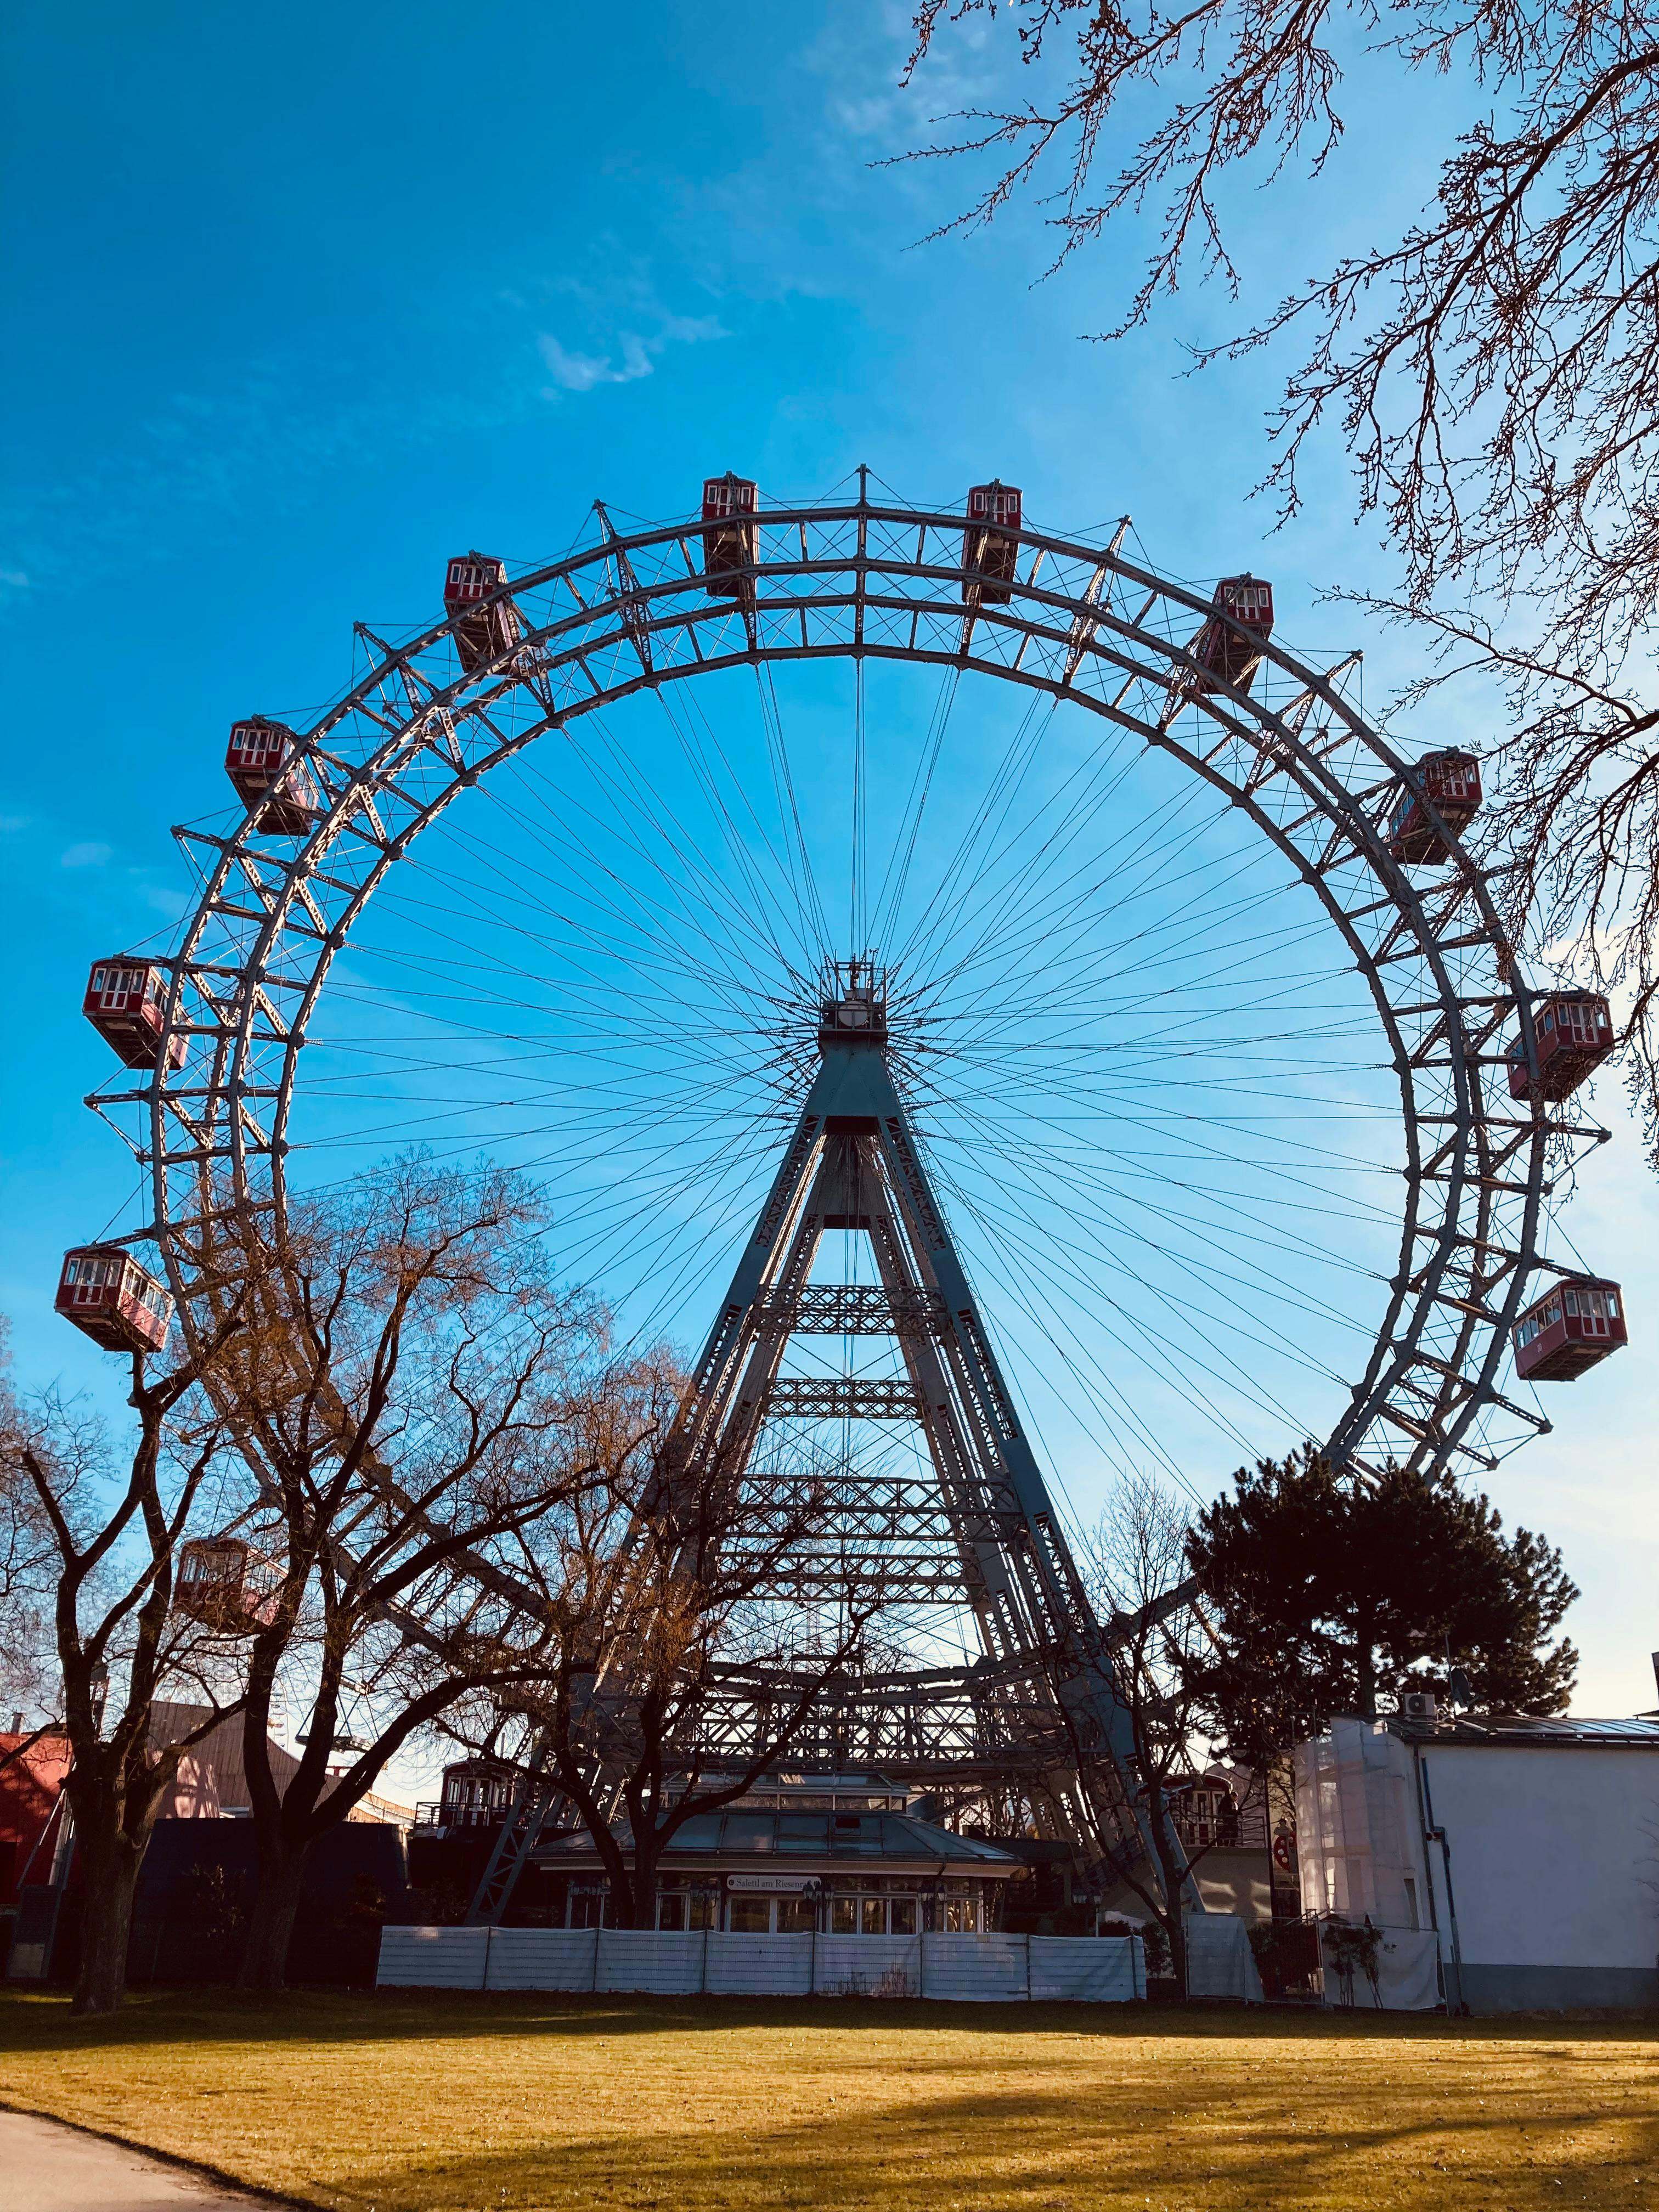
[1325, 1594]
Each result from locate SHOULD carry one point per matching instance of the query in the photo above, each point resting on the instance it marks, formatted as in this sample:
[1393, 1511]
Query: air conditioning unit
[1420, 1707]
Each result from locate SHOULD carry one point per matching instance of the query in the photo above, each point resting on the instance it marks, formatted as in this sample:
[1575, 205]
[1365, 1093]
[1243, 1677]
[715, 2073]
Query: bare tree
[1138, 1556]
[28, 1560]
[661, 1593]
[116, 1538]
[1493, 371]
[419, 1399]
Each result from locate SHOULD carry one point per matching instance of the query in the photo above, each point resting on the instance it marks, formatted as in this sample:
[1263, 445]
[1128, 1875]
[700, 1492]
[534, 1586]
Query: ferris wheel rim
[646, 615]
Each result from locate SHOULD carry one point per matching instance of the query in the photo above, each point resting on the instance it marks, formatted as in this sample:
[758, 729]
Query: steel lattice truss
[623, 614]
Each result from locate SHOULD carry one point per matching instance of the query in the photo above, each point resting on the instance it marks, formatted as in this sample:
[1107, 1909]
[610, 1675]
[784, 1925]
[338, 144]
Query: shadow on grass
[1016, 2151]
[35, 2022]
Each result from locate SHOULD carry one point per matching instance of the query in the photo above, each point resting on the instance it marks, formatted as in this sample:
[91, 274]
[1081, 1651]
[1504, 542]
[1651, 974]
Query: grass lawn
[408, 2102]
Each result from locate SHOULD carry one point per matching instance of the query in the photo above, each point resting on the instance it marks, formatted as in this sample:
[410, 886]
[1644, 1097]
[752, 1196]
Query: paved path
[45, 2167]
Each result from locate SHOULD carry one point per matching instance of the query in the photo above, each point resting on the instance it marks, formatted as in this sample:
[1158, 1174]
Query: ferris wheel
[1012, 1012]
[1201, 1004]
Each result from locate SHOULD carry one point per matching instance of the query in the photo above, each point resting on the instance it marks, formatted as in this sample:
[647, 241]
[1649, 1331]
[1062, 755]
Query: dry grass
[411, 2103]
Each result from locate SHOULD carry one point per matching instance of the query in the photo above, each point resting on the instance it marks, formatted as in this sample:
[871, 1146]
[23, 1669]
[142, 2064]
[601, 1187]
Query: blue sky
[312, 299]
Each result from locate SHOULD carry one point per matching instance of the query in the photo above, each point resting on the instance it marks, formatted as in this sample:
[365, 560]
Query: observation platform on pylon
[854, 1009]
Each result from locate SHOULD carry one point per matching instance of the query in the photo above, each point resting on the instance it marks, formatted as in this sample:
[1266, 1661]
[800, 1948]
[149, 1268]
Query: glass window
[797, 1916]
[872, 1915]
[671, 1910]
[750, 1916]
[961, 1916]
[703, 1908]
[904, 1910]
[844, 1916]
[748, 1832]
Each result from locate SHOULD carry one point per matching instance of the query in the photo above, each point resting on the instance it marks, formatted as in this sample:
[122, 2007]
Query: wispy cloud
[86, 856]
[636, 346]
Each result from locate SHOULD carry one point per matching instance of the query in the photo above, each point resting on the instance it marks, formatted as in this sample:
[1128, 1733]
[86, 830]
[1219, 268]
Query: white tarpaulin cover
[867, 1965]
[432, 1958]
[657, 1963]
[975, 1969]
[1358, 1825]
[1111, 1970]
[1406, 1976]
[757, 1966]
[542, 1958]
[1219, 1960]
[984, 1969]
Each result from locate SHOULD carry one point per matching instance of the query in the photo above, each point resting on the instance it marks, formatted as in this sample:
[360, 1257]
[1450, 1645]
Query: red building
[29, 1790]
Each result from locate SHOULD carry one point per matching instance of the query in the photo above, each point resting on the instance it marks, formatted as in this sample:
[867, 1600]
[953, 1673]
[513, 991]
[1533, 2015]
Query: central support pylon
[974, 1527]
[970, 1528]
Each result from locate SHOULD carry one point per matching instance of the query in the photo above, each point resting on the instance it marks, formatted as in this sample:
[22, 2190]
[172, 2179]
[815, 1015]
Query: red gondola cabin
[1574, 1034]
[730, 537]
[118, 1304]
[1228, 646]
[1451, 782]
[124, 1005]
[262, 762]
[225, 1584]
[485, 628]
[990, 543]
[1569, 1329]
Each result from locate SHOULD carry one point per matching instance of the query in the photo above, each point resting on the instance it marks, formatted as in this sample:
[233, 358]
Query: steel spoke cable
[1125, 1227]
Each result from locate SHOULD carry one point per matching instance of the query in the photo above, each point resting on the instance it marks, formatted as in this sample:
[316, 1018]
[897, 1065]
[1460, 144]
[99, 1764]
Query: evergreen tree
[1324, 1594]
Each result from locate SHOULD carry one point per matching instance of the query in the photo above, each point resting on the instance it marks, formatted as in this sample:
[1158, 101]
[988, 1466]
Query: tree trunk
[109, 1865]
[643, 1886]
[1365, 1666]
[271, 1929]
[1174, 1931]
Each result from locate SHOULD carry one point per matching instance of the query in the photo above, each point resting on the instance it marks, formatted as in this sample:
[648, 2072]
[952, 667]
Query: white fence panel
[973, 1969]
[868, 1966]
[542, 1958]
[1086, 1969]
[759, 1965]
[1219, 1960]
[643, 1958]
[432, 1958]
[984, 1969]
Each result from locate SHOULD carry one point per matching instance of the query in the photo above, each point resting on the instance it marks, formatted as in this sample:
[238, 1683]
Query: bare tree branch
[1493, 372]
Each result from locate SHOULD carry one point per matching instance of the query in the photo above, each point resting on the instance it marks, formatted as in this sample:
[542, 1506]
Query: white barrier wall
[972, 1969]
[433, 1958]
[531, 1957]
[1554, 1854]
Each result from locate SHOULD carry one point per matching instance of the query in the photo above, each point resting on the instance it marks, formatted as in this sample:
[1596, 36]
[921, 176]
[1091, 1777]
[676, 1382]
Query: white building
[1530, 1847]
